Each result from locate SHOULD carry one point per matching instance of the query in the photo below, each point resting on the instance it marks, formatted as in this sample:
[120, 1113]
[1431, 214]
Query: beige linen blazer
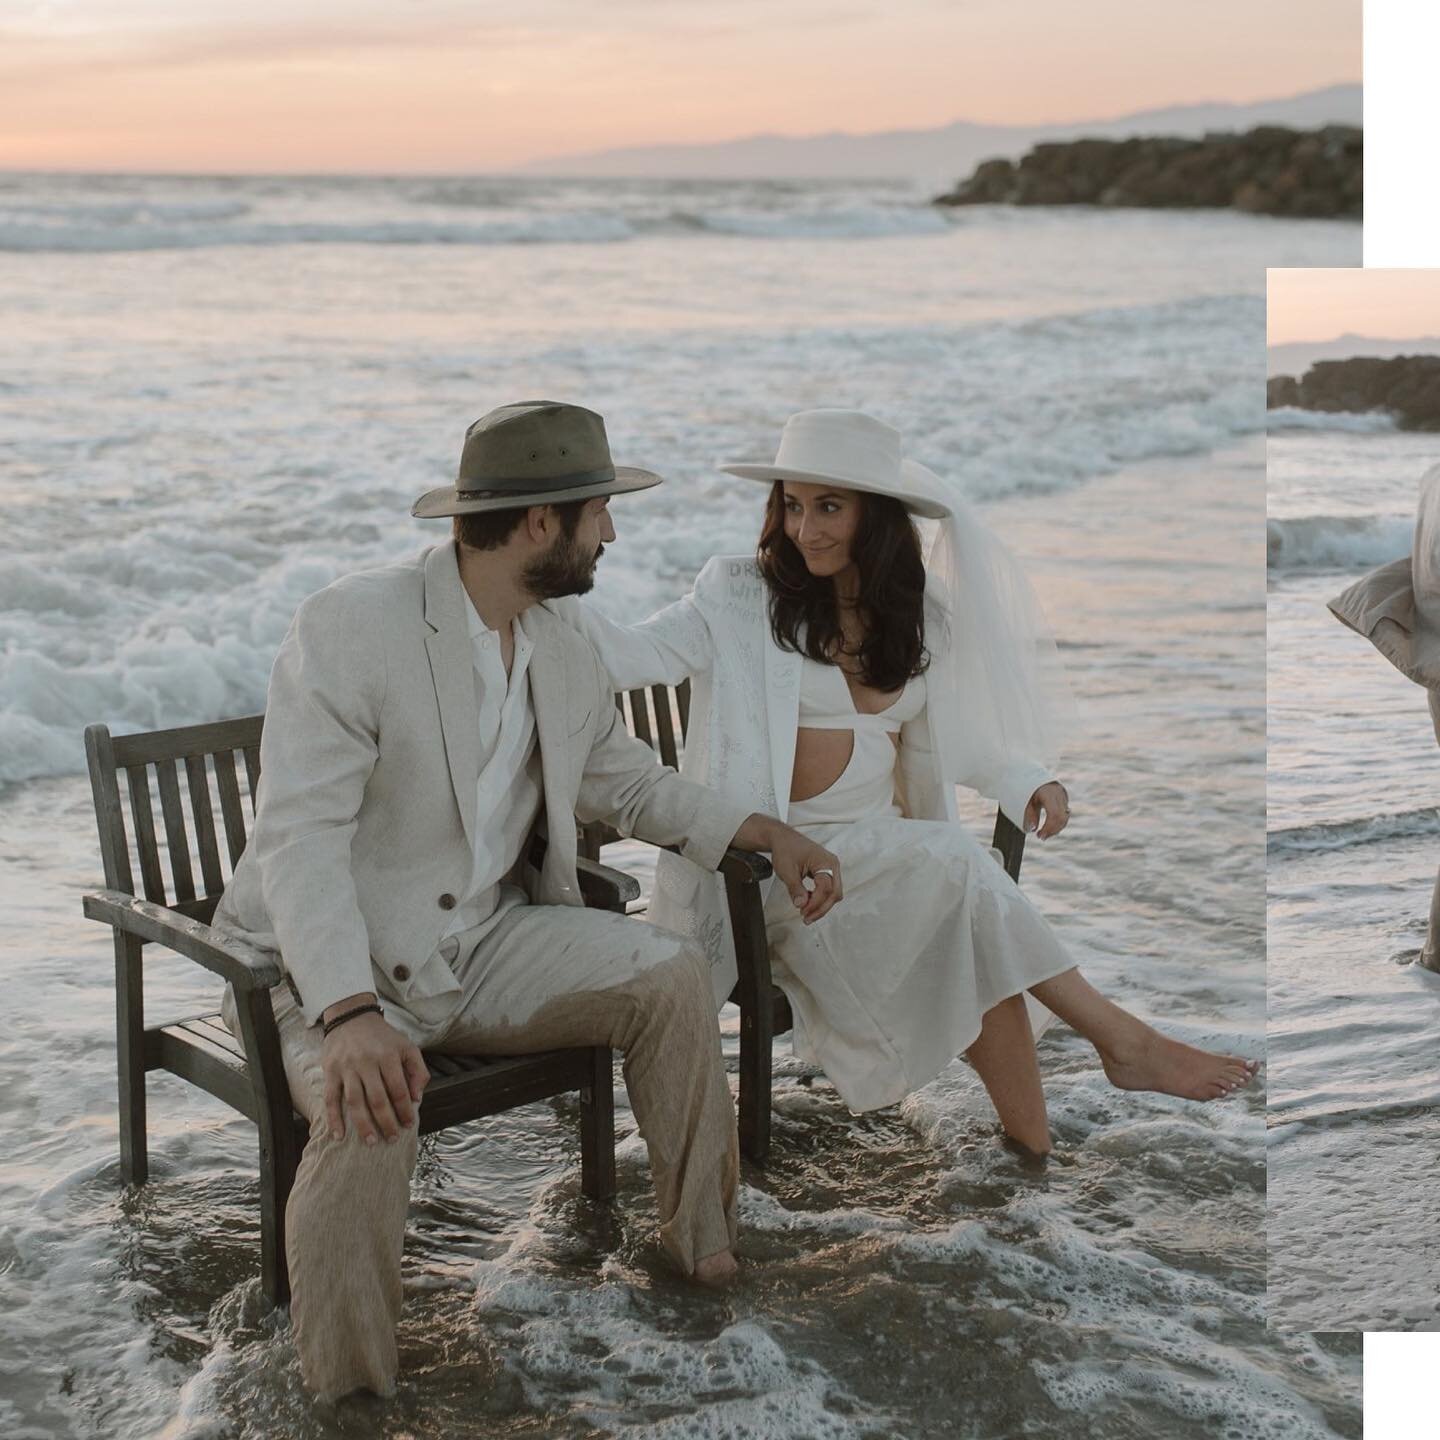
[1381, 607]
[362, 842]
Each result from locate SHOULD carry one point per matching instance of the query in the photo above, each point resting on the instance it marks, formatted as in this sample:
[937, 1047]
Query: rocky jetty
[1406, 386]
[1271, 170]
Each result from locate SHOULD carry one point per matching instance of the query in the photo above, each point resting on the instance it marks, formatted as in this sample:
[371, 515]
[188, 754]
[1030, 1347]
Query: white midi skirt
[891, 985]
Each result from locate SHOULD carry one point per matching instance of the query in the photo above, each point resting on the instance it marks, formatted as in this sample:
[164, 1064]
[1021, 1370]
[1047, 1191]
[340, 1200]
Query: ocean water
[217, 395]
[1354, 841]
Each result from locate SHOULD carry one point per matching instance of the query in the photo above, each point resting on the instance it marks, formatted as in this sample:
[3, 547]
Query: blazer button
[402, 973]
[447, 902]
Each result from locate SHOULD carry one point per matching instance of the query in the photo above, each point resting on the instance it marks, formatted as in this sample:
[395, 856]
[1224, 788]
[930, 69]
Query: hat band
[532, 485]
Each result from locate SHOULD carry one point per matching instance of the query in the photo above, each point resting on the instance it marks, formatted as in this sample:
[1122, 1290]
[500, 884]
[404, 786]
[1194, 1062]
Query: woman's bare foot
[1156, 1062]
[717, 1270]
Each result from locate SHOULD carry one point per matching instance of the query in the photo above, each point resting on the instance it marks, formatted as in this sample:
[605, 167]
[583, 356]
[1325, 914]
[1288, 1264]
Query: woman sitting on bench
[839, 683]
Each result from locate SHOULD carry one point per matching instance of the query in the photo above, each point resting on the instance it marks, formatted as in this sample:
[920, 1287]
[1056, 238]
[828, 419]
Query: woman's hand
[1054, 800]
[808, 871]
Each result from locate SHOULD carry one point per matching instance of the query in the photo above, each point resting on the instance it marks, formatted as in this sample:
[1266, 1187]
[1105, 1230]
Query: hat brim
[915, 474]
[449, 501]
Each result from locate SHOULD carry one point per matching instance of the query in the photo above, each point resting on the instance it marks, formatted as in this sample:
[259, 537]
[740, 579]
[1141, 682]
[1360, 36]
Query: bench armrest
[742, 872]
[1009, 841]
[745, 865]
[243, 967]
[603, 887]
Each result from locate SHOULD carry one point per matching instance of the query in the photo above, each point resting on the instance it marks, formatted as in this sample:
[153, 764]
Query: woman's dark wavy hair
[803, 615]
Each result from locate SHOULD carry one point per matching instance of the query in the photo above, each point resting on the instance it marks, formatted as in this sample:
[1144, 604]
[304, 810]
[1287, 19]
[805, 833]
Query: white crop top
[867, 784]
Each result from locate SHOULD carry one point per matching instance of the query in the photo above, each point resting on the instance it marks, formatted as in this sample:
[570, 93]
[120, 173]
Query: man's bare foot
[1159, 1063]
[716, 1270]
[1032, 1146]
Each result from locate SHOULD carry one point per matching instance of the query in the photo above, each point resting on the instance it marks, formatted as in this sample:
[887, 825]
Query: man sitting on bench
[421, 718]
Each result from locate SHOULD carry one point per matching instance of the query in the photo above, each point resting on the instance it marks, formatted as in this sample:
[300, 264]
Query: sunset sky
[439, 85]
[1305, 305]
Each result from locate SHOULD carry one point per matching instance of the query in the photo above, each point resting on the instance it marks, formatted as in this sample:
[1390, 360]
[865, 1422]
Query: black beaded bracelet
[340, 1019]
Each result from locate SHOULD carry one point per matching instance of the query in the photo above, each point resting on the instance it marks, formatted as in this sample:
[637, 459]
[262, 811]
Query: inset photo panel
[1353, 795]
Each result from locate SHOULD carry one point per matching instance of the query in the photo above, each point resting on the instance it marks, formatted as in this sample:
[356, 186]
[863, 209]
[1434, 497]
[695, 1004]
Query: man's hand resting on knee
[373, 1074]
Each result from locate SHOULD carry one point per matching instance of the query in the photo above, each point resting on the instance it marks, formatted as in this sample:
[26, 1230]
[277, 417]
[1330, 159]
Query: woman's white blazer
[744, 712]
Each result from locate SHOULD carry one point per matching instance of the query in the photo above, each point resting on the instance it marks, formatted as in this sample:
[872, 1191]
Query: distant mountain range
[935, 157]
[1298, 356]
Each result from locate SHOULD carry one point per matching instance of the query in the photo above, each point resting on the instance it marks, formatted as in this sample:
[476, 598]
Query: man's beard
[564, 569]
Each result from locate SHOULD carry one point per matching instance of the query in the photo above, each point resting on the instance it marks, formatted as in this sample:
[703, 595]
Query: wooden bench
[660, 716]
[192, 773]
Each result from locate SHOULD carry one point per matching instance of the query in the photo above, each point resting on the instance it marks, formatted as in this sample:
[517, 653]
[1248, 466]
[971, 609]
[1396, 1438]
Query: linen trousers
[532, 977]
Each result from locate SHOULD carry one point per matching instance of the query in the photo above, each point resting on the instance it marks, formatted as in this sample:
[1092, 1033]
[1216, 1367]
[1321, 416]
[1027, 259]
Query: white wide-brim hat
[854, 451]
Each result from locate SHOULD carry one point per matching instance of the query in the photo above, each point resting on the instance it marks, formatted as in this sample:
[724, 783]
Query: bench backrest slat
[230, 807]
[640, 717]
[651, 715]
[664, 726]
[191, 850]
[176, 840]
[130, 838]
[252, 772]
[204, 817]
[154, 745]
[143, 819]
[669, 705]
[109, 816]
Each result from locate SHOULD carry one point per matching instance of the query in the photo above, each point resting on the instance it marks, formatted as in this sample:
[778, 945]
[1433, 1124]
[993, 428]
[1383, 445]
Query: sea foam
[1365, 422]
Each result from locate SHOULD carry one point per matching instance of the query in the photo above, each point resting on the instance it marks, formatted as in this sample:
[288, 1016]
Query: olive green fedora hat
[535, 452]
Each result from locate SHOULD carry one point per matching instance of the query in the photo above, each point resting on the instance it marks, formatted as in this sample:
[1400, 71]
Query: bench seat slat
[462, 1087]
[195, 1056]
[215, 1029]
[500, 1086]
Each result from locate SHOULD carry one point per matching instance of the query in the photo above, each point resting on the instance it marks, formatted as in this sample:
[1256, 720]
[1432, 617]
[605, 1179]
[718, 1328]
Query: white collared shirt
[507, 794]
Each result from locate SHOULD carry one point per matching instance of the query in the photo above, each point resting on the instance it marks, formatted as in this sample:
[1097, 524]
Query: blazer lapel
[452, 668]
[782, 714]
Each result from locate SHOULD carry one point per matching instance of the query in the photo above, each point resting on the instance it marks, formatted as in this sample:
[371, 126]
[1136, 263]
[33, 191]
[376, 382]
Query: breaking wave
[1337, 542]
[1344, 834]
[131, 226]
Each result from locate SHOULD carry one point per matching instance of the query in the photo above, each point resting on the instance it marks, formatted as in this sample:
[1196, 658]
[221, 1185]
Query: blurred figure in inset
[1397, 609]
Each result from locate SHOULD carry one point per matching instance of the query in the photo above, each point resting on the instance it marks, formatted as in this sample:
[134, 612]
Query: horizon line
[517, 169]
[1349, 335]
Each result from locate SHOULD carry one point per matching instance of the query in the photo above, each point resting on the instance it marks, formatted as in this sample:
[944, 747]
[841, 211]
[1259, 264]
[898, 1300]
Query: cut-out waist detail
[857, 720]
[866, 786]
